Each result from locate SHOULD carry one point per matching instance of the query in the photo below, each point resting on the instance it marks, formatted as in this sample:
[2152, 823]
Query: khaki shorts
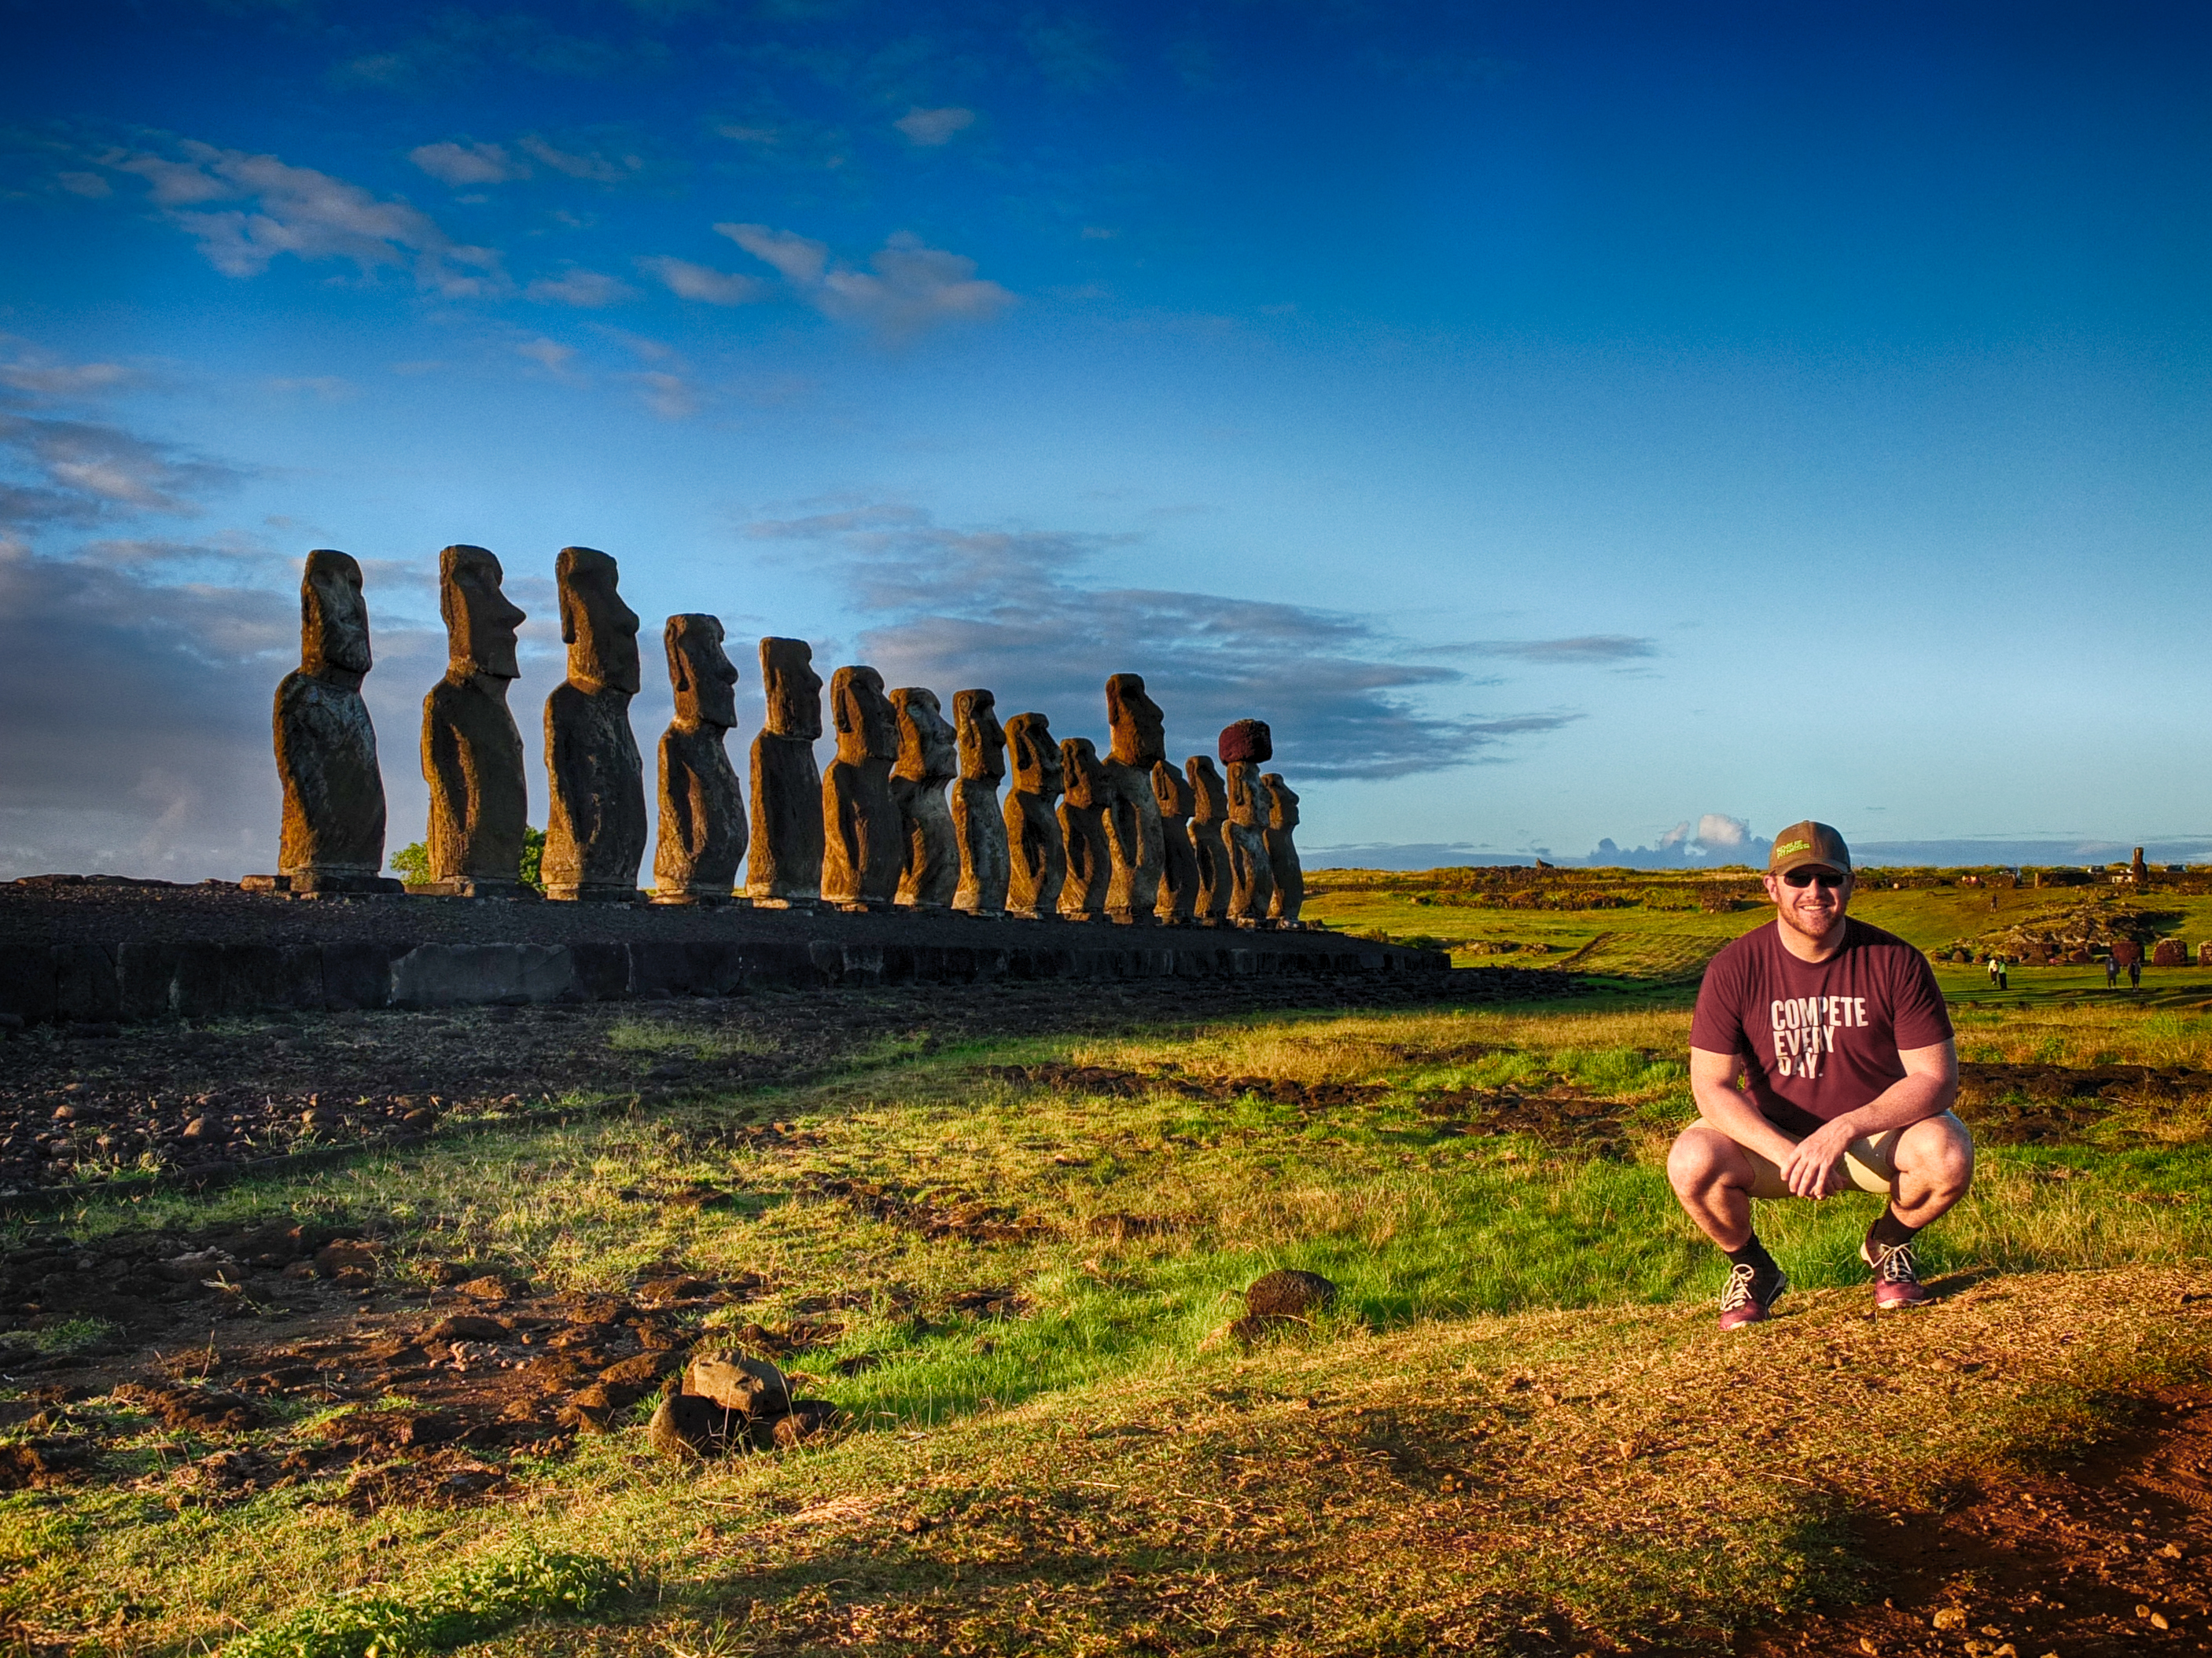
[1869, 1163]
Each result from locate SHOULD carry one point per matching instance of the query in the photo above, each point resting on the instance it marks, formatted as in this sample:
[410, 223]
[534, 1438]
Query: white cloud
[43, 374]
[307, 214]
[587, 290]
[89, 184]
[589, 165]
[549, 354]
[927, 129]
[703, 282]
[910, 287]
[669, 396]
[68, 471]
[458, 165]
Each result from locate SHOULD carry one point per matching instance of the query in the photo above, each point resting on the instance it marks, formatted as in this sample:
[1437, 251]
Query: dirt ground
[2103, 1553]
[87, 1103]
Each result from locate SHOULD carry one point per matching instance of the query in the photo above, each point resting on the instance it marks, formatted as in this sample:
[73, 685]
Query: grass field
[1516, 1431]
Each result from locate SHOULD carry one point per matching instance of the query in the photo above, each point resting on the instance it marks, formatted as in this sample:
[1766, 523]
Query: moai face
[1246, 739]
[480, 619]
[1138, 727]
[982, 744]
[701, 673]
[928, 752]
[1171, 792]
[600, 630]
[1085, 778]
[1209, 795]
[333, 618]
[794, 690]
[867, 727]
[1283, 813]
[1036, 756]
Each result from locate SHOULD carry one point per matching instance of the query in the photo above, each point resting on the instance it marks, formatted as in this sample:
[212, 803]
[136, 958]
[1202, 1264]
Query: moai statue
[1176, 799]
[1036, 851]
[595, 815]
[1083, 827]
[786, 870]
[1282, 852]
[928, 759]
[1133, 814]
[1209, 839]
[977, 824]
[864, 849]
[703, 810]
[332, 839]
[471, 751]
[1244, 747]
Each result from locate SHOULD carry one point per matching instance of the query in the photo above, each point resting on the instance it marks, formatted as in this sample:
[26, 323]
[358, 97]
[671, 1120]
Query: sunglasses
[1827, 879]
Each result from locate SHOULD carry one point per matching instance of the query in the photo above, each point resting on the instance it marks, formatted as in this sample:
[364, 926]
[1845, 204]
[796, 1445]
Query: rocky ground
[96, 1103]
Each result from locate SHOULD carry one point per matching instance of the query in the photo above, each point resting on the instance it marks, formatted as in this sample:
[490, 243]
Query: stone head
[1140, 733]
[480, 619]
[333, 618]
[1085, 778]
[1209, 794]
[1035, 755]
[793, 688]
[1283, 812]
[867, 727]
[700, 672]
[600, 630]
[1171, 792]
[982, 744]
[1246, 739]
[928, 751]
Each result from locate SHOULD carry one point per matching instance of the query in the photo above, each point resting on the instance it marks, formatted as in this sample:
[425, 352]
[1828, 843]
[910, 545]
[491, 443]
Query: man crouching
[1821, 1059]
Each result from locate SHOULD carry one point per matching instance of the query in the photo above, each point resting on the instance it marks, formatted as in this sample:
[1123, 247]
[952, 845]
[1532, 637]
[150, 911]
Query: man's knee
[1939, 1151]
[1702, 1156]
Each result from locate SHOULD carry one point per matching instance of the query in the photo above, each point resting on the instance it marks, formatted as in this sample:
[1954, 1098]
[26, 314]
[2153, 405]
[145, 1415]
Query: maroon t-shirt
[1819, 1038]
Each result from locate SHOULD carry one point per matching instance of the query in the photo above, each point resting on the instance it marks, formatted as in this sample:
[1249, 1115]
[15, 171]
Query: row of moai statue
[1126, 837]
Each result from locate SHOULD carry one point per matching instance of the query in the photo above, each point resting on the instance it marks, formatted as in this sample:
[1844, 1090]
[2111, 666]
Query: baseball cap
[1807, 842]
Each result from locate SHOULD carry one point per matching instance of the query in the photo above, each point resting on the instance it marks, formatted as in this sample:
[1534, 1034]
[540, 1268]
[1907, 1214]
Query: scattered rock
[590, 1409]
[808, 1420]
[736, 1382]
[199, 1265]
[629, 1379]
[1288, 1293]
[467, 1327]
[489, 1288]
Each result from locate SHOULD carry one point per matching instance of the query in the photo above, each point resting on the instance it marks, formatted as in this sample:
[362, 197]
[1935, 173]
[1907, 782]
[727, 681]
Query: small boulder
[198, 1264]
[491, 1287]
[467, 1327]
[808, 1420]
[1289, 1293]
[590, 1409]
[685, 1426]
[736, 1382]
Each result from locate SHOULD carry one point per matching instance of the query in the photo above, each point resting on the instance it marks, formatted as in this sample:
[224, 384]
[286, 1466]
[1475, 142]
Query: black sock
[1752, 1255]
[1889, 1231]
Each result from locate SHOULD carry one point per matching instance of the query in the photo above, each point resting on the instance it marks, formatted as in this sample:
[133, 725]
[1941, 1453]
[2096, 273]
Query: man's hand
[1816, 1168]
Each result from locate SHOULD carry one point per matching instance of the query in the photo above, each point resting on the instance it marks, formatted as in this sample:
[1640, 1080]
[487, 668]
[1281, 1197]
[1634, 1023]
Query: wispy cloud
[593, 165]
[325, 388]
[281, 210]
[929, 129]
[911, 287]
[1015, 609]
[552, 356]
[703, 282]
[461, 165]
[1584, 649]
[43, 374]
[75, 471]
[588, 291]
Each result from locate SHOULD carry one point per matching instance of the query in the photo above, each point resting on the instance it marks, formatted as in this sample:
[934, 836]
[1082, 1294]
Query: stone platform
[97, 952]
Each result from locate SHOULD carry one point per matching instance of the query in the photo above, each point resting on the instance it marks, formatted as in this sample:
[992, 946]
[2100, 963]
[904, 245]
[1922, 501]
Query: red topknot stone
[1247, 739]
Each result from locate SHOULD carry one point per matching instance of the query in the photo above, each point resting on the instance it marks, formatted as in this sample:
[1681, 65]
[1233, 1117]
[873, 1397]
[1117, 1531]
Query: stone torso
[333, 792]
[702, 815]
[1252, 881]
[595, 822]
[472, 761]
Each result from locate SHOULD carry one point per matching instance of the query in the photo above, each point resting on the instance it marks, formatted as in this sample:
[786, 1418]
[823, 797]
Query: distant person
[2111, 972]
[2135, 973]
[2004, 972]
[1993, 972]
[1821, 1058]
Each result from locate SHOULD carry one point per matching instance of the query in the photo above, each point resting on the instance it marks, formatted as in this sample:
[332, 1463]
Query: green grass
[1102, 1465]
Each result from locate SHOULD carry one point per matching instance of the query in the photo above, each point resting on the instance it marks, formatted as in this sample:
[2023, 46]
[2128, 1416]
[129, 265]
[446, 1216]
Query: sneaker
[1896, 1275]
[1750, 1295]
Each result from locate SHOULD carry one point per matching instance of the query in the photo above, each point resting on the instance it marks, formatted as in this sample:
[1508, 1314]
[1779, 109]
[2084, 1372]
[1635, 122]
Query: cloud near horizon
[1015, 610]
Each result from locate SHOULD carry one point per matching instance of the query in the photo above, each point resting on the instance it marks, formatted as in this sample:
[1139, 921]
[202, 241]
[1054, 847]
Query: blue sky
[1561, 423]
